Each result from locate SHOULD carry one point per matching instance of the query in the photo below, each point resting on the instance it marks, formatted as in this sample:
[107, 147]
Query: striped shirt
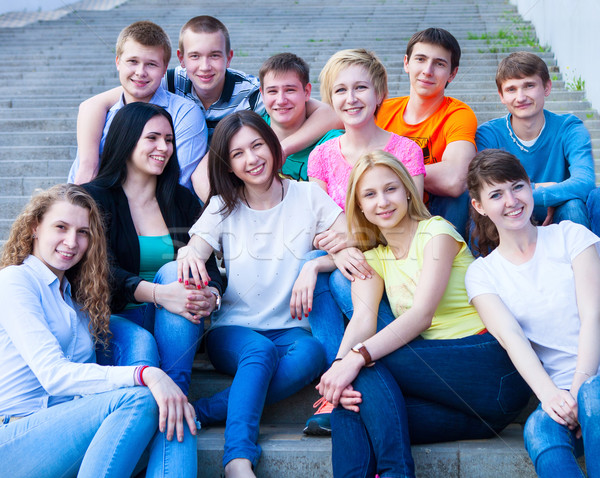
[240, 92]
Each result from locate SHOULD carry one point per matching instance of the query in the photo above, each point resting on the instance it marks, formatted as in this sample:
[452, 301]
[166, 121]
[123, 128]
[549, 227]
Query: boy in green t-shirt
[285, 88]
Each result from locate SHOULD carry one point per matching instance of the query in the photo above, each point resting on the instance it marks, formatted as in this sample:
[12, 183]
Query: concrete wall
[32, 5]
[569, 27]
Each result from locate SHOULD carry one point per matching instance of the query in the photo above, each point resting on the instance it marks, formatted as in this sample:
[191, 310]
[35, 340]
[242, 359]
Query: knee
[537, 433]
[588, 401]
[167, 273]
[313, 351]
[262, 353]
[573, 210]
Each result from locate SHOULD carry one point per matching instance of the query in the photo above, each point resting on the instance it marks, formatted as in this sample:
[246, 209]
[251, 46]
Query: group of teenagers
[344, 231]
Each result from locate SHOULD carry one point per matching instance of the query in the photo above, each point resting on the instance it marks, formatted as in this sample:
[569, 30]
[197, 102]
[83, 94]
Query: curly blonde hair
[89, 278]
[366, 234]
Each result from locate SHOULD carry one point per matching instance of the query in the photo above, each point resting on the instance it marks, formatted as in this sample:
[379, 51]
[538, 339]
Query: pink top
[327, 164]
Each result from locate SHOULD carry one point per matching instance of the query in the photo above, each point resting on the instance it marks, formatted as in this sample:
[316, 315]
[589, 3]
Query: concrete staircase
[49, 67]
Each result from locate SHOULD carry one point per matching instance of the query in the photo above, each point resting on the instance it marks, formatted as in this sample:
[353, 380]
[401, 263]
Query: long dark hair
[490, 166]
[122, 138]
[222, 180]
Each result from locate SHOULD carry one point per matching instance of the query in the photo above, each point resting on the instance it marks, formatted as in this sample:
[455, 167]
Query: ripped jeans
[553, 448]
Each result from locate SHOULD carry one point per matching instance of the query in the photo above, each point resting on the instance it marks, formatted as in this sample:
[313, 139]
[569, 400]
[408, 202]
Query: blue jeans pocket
[513, 394]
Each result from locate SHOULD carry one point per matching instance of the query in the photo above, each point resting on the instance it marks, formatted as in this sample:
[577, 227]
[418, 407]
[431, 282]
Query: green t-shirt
[295, 165]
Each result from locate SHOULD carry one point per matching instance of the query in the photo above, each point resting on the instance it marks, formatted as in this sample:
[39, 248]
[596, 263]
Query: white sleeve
[477, 280]
[577, 238]
[26, 325]
[324, 208]
[209, 225]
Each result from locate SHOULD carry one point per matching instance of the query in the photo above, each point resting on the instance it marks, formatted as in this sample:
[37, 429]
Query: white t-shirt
[540, 294]
[262, 251]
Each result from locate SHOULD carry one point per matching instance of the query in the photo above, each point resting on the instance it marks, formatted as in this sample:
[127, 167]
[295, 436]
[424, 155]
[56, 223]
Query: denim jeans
[267, 366]
[332, 300]
[131, 344]
[553, 448]
[430, 391]
[176, 337]
[573, 210]
[97, 435]
[454, 210]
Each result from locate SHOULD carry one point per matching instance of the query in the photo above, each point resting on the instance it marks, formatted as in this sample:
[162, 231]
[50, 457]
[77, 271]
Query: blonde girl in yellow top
[438, 374]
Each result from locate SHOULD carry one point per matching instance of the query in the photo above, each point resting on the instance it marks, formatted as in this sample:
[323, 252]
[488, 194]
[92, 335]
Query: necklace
[246, 200]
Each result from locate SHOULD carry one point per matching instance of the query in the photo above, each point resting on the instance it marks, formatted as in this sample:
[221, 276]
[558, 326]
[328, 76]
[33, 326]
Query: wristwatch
[218, 299]
[360, 348]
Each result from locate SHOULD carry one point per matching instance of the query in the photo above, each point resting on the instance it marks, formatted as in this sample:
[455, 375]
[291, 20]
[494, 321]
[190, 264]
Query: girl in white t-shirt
[537, 293]
[264, 226]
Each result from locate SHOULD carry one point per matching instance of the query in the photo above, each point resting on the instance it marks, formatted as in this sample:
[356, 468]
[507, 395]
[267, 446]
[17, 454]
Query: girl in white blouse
[54, 294]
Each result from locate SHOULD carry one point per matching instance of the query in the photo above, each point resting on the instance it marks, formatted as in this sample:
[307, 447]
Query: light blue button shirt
[191, 134]
[46, 349]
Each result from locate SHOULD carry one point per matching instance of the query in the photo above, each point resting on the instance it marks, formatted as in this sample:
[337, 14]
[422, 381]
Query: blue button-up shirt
[46, 350]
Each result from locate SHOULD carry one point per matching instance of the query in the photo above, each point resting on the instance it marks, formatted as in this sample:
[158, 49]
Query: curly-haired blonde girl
[89, 278]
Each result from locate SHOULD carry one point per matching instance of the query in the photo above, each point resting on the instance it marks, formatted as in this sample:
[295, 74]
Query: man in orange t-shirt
[444, 127]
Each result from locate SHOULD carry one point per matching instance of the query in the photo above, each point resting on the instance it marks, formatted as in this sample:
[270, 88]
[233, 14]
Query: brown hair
[222, 180]
[283, 63]
[89, 278]
[205, 24]
[490, 166]
[148, 34]
[439, 37]
[366, 234]
[521, 64]
[357, 57]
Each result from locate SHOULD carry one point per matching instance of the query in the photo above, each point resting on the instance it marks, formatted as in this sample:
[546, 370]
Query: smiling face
[285, 98]
[383, 198]
[153, 150]
[524, 97]
[509, 205]
[62, 236]
[141, 69]
[429, 70]
[250, 158]
[206, 60]
[353, 96]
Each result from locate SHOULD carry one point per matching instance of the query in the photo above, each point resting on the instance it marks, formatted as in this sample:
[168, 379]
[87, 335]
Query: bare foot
[239, 468]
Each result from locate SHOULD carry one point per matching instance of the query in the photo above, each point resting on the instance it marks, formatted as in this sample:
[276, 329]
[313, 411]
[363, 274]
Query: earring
[408, 198]
[34, 236]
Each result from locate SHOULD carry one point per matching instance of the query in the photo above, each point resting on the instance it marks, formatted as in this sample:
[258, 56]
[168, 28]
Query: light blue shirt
[191, 134]
[562, 154]
[46, 349]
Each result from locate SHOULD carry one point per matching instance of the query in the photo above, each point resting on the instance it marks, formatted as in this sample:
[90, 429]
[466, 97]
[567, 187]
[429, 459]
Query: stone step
[286, 452]
[25, 186]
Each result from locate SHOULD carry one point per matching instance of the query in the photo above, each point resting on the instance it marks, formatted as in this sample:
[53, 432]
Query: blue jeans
[97, 435]
[267, 366]
[593, 209]
[553, 448]
[574, 210]
[430, 391]
[454, 210]
[176, 337]
[332, 300]
[131, 344]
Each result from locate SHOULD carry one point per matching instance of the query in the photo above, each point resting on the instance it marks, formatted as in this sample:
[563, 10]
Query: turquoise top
[296, 164]
[155, 252]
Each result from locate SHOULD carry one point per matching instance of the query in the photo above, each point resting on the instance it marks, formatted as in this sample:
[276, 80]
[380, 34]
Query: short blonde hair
[366, 234]
[356, 57]
[148, 34]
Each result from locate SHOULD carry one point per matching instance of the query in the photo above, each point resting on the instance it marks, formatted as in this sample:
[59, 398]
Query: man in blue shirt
[143, 53]
[554, 149]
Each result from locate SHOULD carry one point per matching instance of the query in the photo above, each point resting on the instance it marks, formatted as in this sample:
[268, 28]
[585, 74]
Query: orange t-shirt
[453, 121]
